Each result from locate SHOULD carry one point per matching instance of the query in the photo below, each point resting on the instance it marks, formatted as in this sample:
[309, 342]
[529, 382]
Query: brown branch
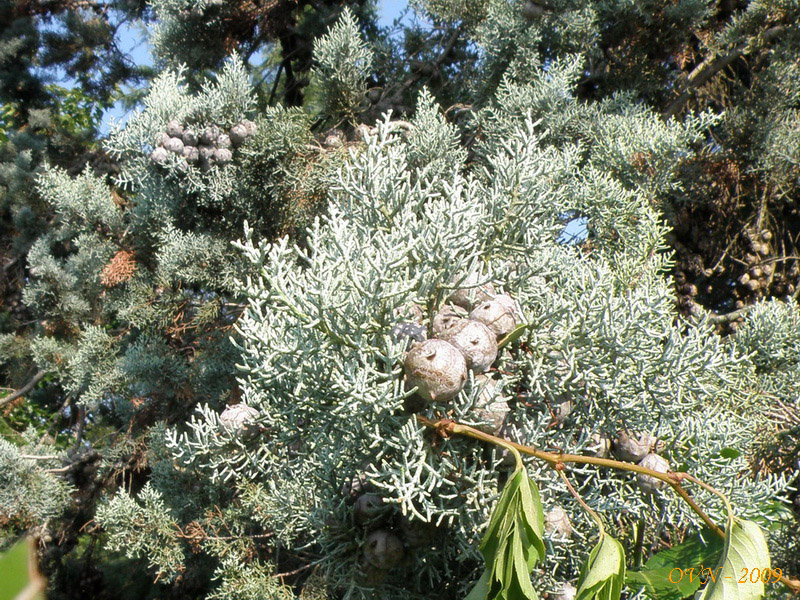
[59, 470]
[690, 501]
[23, 390]
[709, 67]
[275, 83]
[295, 572]
[446, 427]
[731, 316]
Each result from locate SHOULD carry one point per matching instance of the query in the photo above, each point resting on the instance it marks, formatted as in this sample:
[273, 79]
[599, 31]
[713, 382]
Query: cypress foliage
[220, 330]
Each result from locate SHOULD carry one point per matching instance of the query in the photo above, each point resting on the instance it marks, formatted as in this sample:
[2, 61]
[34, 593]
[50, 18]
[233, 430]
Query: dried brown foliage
[119, 270]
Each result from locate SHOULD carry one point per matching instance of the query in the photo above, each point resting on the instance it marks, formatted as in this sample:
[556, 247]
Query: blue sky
[390, 10]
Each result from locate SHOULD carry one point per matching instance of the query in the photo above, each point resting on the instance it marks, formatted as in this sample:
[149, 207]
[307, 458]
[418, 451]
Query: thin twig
[582, 502]
[275, 84]
[295, 572]
[61, 470]
[23, 390]
[731, 316]
[690, 501]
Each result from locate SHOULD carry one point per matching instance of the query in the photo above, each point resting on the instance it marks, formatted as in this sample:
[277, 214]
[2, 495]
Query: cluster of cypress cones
[212, 146]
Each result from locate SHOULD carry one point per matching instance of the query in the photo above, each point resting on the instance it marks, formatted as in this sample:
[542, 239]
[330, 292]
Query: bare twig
[59, 470]
[275, 83]
[731, 316]
[23, 390]
[443, 56]
[295, 572]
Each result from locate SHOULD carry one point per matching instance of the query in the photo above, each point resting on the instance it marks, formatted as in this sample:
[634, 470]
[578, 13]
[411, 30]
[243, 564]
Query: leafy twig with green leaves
[604, 572]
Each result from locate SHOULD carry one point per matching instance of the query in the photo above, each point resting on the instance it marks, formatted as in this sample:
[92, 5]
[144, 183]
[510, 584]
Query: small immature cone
[334, 138]
[370, 575]
[223, 141]
[532, 11]
[566, 591]
[562, 411]
[238, 134]
[632, 446]
[436, 368]
[383, 549]
[209, 135]
[490, 407]
[189, 138]
[599, 445]
[506, 301]
[223, 155]
[206, 152]
[354, 487]
[471, 294]
[447, 316]
[159, 155]
[174, 128]
[175, 145]
[191, 154]
[476, 341]
[236, 417]
[250, 126]
[557, 523]
[161, 138]
[497, 315]
[415, 533]
[368, 508]
[655, 462]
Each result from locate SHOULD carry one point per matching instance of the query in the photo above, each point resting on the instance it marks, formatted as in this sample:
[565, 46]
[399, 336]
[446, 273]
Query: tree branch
[23, 390]
[731, 316]
[446, 427]
[709, 67]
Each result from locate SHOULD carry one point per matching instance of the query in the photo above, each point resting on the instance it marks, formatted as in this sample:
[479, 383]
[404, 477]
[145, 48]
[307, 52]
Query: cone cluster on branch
[465, 335]
[640, 448]
[212, 146]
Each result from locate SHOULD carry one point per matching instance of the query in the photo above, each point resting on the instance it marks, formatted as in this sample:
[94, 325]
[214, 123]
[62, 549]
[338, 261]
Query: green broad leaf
[603, 573]
[522, 574]
[534, 514]
[15, 580]
[663, 583]
[492, 537]
[730, 453]
[512, 336]
[678, 572]
[14, 567]
[481, 589]
[513, 543]
[745, 554]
